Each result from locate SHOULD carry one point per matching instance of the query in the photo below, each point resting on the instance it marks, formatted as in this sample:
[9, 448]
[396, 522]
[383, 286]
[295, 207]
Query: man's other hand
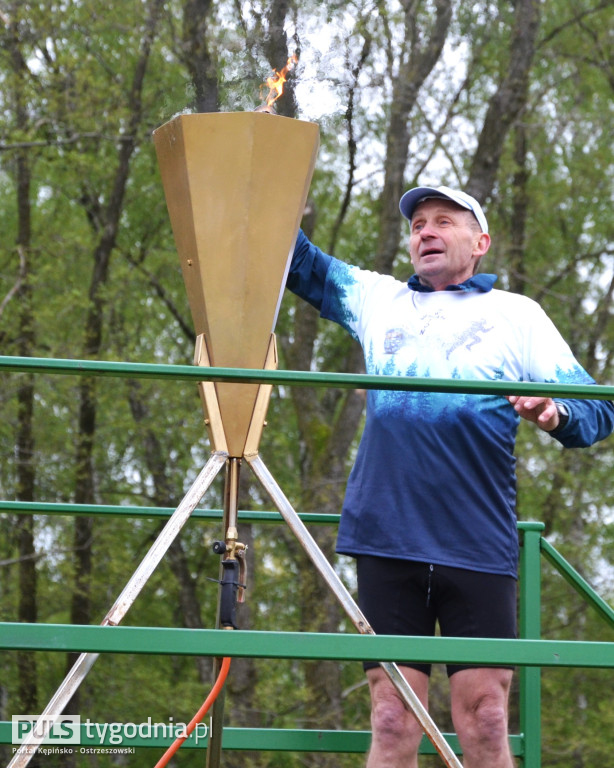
[540, 410]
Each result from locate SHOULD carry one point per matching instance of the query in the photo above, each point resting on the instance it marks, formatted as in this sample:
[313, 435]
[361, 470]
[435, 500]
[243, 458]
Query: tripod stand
[231, 581]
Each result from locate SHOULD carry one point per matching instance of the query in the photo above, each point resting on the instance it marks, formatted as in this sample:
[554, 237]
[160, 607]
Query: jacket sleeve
[589, 422]
[550, 359]
[308, 269]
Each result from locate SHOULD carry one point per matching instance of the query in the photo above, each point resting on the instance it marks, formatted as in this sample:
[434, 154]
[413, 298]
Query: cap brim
[413, 197]
[410, 199]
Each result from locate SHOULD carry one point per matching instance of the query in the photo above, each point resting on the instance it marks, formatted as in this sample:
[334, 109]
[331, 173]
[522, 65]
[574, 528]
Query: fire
[275, 82]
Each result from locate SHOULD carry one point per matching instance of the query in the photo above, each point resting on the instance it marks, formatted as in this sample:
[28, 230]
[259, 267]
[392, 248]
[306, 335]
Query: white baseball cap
[414, 196]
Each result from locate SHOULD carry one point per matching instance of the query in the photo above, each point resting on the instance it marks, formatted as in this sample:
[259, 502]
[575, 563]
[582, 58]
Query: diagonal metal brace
[86, 661]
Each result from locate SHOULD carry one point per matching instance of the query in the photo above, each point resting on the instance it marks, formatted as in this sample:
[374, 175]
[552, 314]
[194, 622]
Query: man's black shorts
[401, 597]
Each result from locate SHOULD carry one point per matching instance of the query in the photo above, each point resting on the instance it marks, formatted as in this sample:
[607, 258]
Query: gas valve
[233, 581]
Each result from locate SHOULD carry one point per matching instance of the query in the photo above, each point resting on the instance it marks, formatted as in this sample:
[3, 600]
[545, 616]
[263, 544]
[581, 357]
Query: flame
[275, 82]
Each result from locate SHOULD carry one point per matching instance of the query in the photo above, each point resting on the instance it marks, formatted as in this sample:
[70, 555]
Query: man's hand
[540, 410]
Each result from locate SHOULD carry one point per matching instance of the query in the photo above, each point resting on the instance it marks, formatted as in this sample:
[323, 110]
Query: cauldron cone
[236, 185]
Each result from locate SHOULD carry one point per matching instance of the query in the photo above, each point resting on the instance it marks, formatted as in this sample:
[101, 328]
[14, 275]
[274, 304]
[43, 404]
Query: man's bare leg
[396, 732]
[479, 700]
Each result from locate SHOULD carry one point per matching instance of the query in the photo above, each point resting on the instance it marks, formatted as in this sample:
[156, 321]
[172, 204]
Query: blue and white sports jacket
[434, 478]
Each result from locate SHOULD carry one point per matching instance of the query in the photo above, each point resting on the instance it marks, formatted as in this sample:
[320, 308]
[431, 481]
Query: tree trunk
[507, 102]
[518, 222]
[197, 56]
[26, 474]
[85, 480]
[417, 60]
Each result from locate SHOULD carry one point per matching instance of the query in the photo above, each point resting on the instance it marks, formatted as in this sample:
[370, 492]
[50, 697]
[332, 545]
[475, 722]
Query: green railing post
[530, 629]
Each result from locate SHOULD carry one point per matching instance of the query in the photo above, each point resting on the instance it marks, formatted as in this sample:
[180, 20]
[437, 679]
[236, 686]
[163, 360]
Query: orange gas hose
[214, 693]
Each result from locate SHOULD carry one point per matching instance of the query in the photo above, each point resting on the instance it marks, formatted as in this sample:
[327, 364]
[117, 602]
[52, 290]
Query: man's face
[445, 243]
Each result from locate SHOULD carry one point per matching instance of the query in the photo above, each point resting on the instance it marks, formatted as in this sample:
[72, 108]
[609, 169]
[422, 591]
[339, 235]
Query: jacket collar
[481, 282]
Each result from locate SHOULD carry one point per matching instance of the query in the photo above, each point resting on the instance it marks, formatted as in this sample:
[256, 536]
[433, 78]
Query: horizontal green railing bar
[245, 516]
[258, 739]
[279, 739]
[581, 586]
[291, 740]
[302, 378]
[215, 515]
[303, 645]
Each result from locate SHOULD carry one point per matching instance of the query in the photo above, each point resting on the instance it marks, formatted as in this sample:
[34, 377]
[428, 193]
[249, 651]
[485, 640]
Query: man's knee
[389, 719]
[396, 735]
[480, 711]
[396, 732]
[486, 720]
[483, 733]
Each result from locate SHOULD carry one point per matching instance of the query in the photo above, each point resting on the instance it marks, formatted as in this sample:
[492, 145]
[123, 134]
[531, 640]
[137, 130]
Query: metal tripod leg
[231, 512]
[349, 605]
[129, 594]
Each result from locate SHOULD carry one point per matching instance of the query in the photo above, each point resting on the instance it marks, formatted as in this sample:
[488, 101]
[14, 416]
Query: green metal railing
[529, 653]
[193, 373]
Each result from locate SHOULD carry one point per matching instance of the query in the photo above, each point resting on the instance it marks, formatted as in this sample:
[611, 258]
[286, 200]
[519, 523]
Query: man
[429, 512]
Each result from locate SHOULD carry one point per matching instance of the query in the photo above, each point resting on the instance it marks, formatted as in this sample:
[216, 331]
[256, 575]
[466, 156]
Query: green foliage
[69, 107]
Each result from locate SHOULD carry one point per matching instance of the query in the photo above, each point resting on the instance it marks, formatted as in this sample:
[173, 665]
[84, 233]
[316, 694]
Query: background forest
[512, 101]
